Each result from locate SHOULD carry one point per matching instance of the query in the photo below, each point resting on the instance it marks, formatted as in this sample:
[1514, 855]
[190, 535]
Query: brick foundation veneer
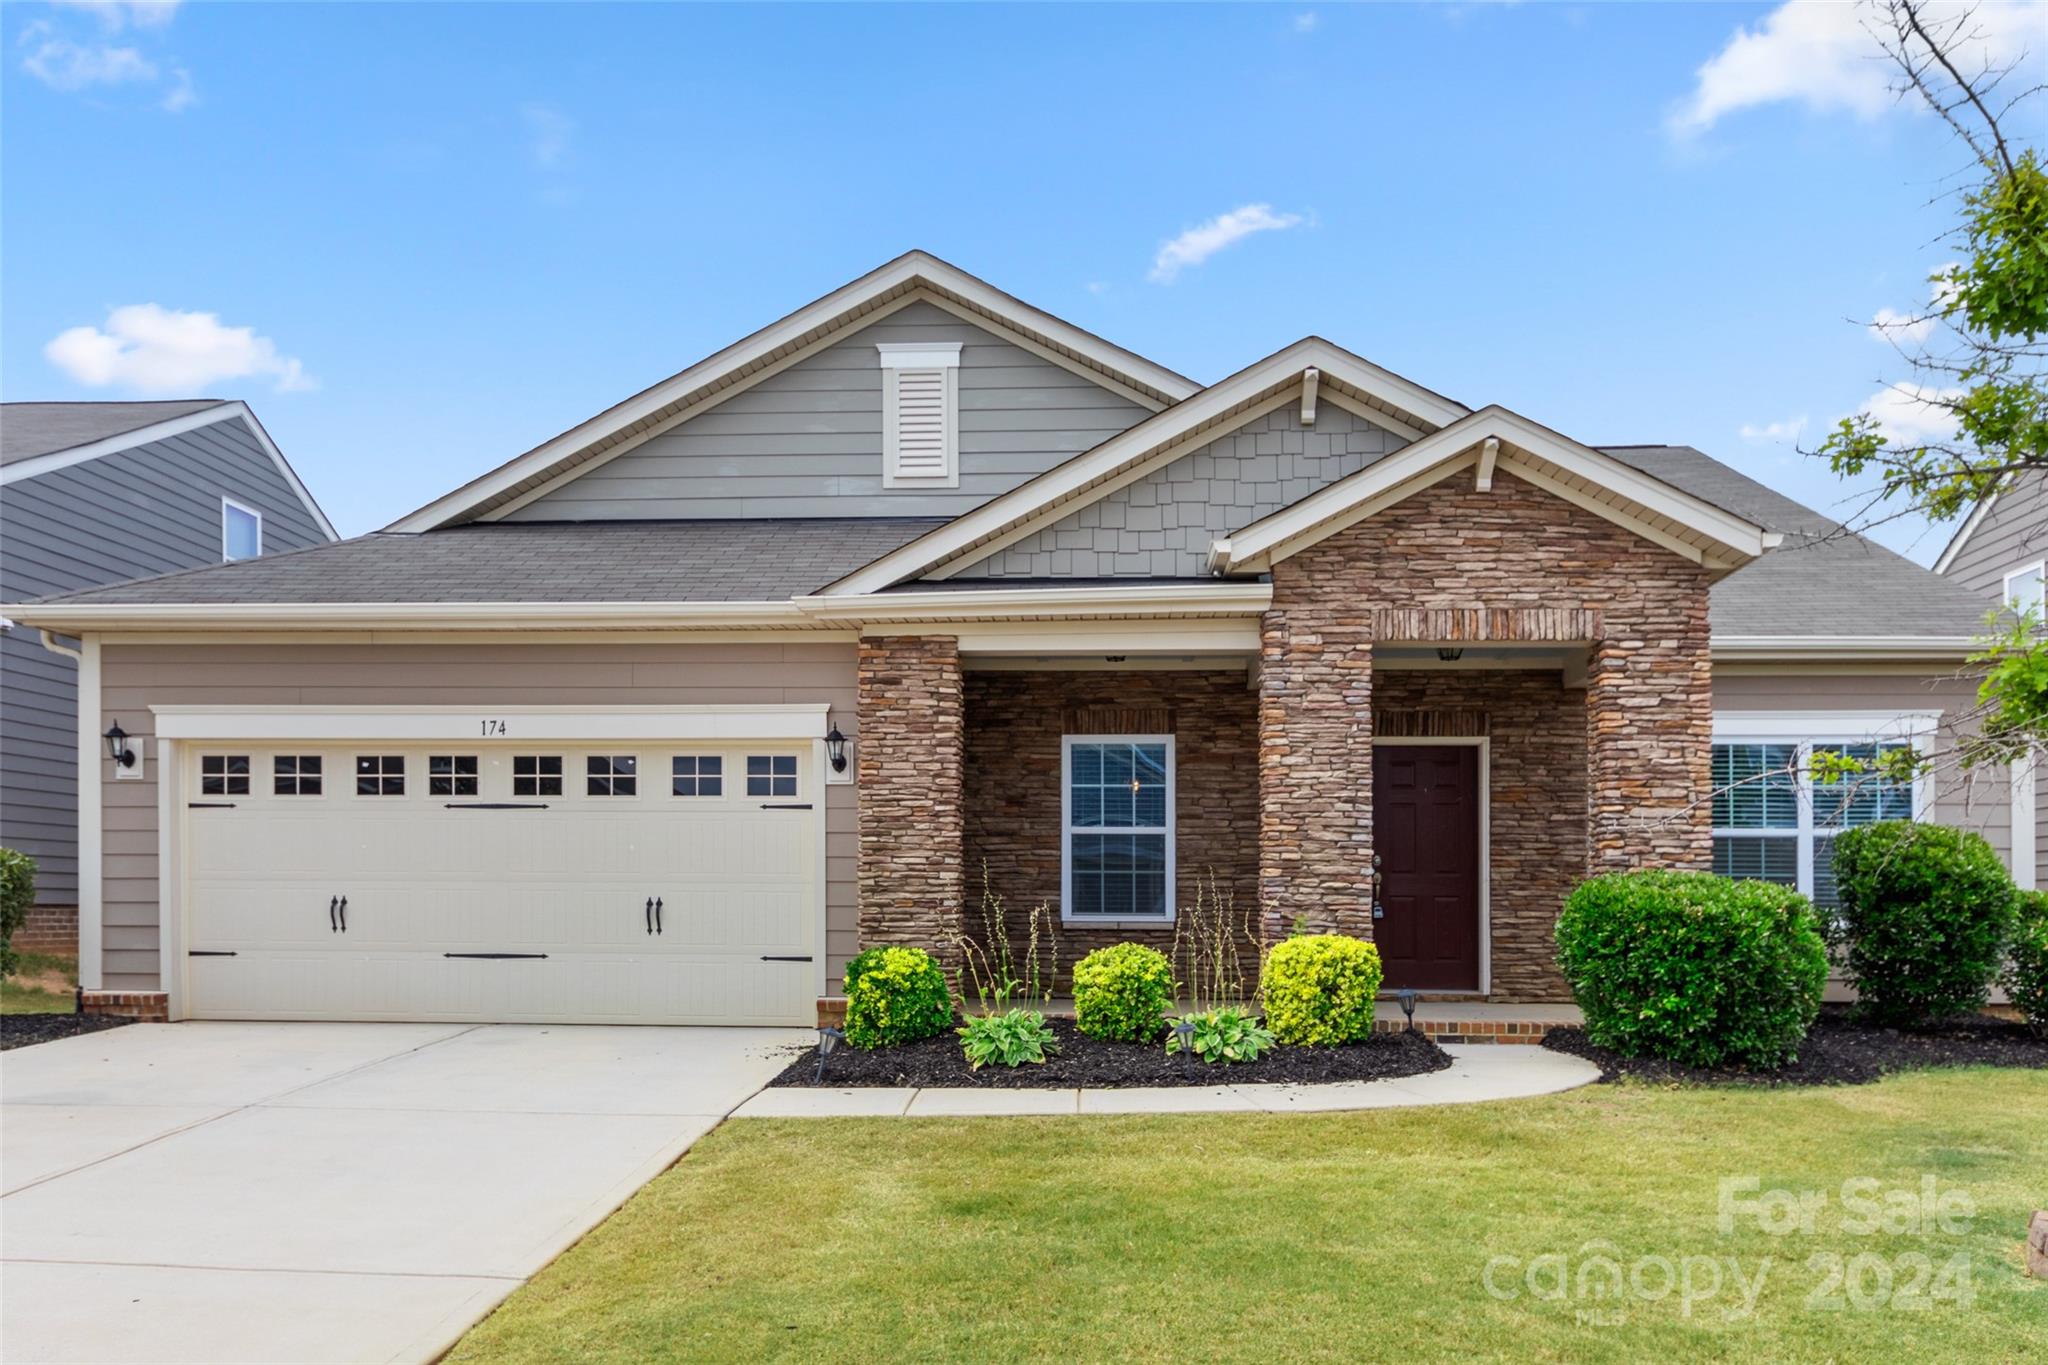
[49, 929]
[909, 770]
[1536, 785]
[1014, 725]
[152, 1007]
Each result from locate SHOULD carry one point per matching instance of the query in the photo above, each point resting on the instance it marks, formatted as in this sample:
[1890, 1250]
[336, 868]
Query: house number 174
[494, 727]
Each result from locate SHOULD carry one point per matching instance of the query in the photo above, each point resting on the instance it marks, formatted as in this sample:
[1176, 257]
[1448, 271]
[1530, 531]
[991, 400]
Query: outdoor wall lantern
[117, 746]
[1407, 1000]
[828, 1038]
[1450, 656]
[835, 750]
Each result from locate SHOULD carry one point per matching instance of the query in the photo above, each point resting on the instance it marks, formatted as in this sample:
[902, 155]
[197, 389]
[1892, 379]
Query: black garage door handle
[332, 927]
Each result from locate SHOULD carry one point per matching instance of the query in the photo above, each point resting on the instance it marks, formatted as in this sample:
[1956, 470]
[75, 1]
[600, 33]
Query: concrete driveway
[327, 1192]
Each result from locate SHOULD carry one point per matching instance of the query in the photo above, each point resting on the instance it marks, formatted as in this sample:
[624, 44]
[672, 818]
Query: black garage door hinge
[210, 952]
[792, 805]
[209, 805]
[495, 957]
[769, 957]
[494, 805]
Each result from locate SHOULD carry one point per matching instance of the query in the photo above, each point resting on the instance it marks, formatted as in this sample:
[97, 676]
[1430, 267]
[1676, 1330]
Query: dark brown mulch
[1084, 1061]
[1839, 1051]
[26, 1030]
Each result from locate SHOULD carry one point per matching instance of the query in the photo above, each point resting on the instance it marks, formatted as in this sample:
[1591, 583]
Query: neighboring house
[94, 493]
[2000, 553]
[666, 718]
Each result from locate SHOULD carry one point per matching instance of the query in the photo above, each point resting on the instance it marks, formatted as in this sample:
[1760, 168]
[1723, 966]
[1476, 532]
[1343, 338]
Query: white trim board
[823, 318]
[1963, 533]
[175, 426]
[485, 724]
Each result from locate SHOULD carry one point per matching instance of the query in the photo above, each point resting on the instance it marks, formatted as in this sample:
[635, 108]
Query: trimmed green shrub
[1692, 967]
[859, 964]
[17, 894]
[1011, 1038]
[1320, 989]
[1925, 911]
[899, 996]
[1123, 992]
[2026, 968]
[1228, 1033]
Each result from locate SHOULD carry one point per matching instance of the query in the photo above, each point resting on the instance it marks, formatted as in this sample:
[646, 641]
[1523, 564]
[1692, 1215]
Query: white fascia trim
[1223, 599]
[1844, 649]
[1337, 506]
[1824, 725]
[488, 724]
[1058, 489]
[415, 615]
[1963, 533]
[908, 269]
[175, 426]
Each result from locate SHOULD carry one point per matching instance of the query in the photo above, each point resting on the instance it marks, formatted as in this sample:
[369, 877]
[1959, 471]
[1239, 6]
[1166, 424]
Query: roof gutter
[1953, 649]
[103, 616]
[999, 604]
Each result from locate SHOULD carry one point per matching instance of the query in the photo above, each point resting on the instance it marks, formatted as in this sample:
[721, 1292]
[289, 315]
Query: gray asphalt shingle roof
[1822, 580]
[588, 561]
[31, 429]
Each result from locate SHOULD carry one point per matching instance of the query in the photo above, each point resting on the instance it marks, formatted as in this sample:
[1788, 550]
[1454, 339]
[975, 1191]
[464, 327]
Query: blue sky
[430, 237]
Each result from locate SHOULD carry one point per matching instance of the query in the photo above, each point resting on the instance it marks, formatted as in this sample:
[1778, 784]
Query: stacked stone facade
[1015, 721]
[909, 766]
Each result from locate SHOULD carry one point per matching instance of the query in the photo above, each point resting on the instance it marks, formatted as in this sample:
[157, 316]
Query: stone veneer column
[1315, 769]
[1649, 752]
[911, 791]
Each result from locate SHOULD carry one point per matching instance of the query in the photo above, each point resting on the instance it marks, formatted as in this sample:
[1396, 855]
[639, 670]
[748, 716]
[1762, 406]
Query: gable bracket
[1310, 378]
[1489, 455]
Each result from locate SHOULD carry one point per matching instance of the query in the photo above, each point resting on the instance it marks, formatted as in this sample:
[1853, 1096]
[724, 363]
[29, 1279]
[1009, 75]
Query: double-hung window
[1116, 845]
[2024, 589]
[1776, 816]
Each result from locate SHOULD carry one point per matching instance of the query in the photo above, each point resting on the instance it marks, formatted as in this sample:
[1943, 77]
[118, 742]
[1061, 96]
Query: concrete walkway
[1477, 1074]
[327, 1192]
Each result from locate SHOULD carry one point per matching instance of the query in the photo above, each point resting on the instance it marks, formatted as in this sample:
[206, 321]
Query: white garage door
[618, 884]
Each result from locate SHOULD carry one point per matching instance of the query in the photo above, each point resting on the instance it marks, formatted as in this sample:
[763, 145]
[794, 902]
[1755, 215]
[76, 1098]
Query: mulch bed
[1839, 1051]
[26, 1030]
[1085, 1061]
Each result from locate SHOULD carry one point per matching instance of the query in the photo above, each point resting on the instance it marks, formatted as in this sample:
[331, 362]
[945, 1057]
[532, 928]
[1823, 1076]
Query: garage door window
[380, 775]
[295, 774]
[771, 774]
[612, 775]
[451, 775]
[224, 774]
[697, 775]
[537, 775]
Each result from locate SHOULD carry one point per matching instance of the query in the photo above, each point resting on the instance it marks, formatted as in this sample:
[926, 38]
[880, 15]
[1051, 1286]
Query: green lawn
[1340, 1237]
[43, 985]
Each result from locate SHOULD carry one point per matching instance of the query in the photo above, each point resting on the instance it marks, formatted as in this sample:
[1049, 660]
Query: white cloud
[1780, 432]
[1824, 55]
[114, 15]
[158, 350]
[1307, 21]
[548, 131]
[1892, 325]
[181, 96]
[1199, 243]
[64, 65]
[1098, 287]
[1909, 415]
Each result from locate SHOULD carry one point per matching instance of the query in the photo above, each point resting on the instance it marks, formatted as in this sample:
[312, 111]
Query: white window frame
[1067, 831]
[227, 505]
[2040, 605]
[897, 356]
[1805, 730]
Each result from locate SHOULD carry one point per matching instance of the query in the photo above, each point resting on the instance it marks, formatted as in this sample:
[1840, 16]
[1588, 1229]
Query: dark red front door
[1425, 828]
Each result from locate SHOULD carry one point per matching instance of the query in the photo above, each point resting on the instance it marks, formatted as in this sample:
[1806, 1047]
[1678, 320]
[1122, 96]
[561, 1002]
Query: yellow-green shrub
[1123, 992]
[899, 996]
[1320, 989]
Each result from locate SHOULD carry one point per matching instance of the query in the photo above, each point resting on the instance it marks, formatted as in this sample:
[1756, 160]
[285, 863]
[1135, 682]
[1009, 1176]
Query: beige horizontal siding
[137, 677]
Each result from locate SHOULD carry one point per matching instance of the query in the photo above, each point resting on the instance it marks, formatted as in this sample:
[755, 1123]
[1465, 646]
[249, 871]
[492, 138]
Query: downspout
[90, 849]
[50, 643]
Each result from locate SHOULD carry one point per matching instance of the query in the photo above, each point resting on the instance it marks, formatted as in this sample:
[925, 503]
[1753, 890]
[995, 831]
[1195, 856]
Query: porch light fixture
[1450, 656]
[828, 1038]
[117, 746]
[1184, 1031]
[835, 750]
[1407, 1001]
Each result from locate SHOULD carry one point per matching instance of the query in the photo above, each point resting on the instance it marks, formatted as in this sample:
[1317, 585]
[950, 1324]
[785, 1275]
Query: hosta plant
[1227, 1033]
[1012, 1038]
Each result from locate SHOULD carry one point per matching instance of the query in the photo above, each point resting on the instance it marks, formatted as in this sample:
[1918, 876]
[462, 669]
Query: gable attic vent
[920, 414]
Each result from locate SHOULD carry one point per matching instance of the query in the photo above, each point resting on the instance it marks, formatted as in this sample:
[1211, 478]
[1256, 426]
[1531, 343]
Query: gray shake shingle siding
[615, 561]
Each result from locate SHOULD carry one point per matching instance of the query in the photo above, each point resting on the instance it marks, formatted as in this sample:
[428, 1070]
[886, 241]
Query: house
[94, 493]
[2000, 553]
[664, 719]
